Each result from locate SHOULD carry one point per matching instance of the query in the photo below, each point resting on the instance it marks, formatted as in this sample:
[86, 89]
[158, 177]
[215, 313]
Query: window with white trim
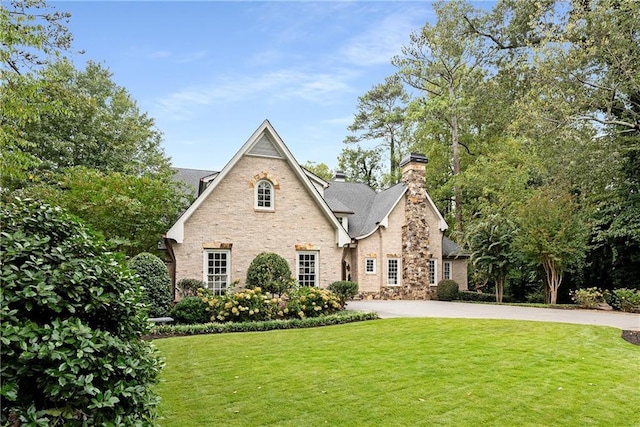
[433, 276]
[446, 270]
[393, 267]
[307, 268]
[370, 265]
[217, 270]
[264, 195]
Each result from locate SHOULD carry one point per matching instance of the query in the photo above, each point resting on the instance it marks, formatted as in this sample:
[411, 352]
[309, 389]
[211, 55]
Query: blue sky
[210, 72]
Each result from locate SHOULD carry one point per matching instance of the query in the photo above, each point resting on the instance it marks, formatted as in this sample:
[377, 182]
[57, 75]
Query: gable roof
[369, 209]
[451, 249]
[264, 142]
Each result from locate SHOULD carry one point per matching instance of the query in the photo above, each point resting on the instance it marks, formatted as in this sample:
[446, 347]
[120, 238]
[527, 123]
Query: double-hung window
[433, 276]
[217, 270]
[370, 265]
[264, 195]
[307, 268]
[393, 266]
[446, 270]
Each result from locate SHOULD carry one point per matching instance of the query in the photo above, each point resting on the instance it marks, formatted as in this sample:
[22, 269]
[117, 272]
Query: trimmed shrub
[447, 290]
[476, 296]
[189, 287]
[155, 281]
[72, 319]
[190, 310]
[344, 290]
[311, 302]
[269, 272]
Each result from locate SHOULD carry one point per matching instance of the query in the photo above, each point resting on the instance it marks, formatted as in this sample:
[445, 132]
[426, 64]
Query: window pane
[392, 272]
[218, 271]
[307, 269]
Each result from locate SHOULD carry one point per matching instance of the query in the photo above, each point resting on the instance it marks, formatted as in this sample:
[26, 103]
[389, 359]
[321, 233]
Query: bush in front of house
[269, 272]
[447, 290]
[155, 281]
[189, 287]
[307, 301]
[72, 319]
[190, 310]
[476, 296]
[243, 306]
[345, 290]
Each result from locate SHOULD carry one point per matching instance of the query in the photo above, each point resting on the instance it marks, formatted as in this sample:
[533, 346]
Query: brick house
[391, 242]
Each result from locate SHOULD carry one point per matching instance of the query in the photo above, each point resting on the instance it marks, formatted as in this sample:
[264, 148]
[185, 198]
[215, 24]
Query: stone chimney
[415, 231]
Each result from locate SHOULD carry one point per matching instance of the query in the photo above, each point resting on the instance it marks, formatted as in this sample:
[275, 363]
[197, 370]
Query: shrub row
[264, 325]
[620, 299]
[480, 297]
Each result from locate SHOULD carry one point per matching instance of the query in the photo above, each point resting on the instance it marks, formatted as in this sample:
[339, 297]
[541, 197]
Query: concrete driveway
[395, 308]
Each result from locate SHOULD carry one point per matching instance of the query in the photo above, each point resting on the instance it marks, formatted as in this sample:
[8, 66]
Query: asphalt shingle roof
[191, 177]
[369, 208]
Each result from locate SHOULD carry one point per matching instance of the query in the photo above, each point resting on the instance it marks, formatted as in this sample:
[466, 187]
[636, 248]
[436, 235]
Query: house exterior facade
[391, 242]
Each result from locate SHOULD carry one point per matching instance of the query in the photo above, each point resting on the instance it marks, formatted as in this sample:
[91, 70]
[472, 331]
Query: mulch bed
[632, 336]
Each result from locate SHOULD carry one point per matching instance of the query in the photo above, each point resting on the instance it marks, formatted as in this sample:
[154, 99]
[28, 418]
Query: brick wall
[228, 217]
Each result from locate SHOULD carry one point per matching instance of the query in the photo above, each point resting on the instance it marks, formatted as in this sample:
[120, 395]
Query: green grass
[404, 372]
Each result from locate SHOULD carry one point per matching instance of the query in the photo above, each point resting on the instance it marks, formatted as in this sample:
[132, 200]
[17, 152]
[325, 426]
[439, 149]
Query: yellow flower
[301, 314]
[251, 312]
[234, 311]
[317, 308]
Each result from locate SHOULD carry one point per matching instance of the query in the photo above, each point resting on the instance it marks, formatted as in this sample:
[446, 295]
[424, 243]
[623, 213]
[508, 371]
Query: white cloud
[384, 39]
[276, 86]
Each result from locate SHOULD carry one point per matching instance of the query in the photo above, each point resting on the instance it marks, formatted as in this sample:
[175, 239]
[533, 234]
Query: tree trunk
[456, 158]
[554, 277]
[499, 288]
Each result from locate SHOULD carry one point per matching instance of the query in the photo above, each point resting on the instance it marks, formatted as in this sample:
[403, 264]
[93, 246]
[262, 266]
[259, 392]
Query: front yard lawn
[401, 372]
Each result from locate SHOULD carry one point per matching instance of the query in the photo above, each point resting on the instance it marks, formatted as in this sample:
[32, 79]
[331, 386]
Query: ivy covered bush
[345, 290]
[155, 281]
[447, 290]
[269, 272]
[72, 320]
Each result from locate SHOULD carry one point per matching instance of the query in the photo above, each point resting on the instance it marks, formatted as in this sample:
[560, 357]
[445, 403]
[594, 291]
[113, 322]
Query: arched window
[264, 195]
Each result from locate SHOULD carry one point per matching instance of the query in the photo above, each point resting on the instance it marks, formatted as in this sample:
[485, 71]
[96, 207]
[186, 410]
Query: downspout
[381, 264]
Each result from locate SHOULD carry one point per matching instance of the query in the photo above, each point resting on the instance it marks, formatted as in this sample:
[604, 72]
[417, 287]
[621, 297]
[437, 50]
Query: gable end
[264, 148]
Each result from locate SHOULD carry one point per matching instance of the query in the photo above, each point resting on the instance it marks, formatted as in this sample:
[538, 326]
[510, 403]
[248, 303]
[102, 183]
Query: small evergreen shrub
[447, 290]
[345, 290]
[189, 287]
[269, 272]
[155, 281]
[587, 297]
[190, 310]
[628, 299]
[311, 302]
[72, 319]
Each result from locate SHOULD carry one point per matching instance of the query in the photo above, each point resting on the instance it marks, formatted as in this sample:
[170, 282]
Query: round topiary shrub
[345, 290]
[72, 319]
[191, 311]
[155, 281]
[189, 287]
[270, 272]
[447, 290]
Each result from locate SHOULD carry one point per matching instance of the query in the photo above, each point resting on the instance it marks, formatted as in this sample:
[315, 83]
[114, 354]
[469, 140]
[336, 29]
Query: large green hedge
[155, 281]
[72, 322]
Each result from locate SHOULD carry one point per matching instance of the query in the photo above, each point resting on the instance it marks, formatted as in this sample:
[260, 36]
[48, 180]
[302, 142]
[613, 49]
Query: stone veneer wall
[415, 234]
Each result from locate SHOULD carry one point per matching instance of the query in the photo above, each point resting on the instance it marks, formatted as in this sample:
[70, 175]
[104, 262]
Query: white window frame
[315, 272]
[221, 287]
[397, 271]
[447, 270]
[370, 262]
[433, 271]
[257, 199]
